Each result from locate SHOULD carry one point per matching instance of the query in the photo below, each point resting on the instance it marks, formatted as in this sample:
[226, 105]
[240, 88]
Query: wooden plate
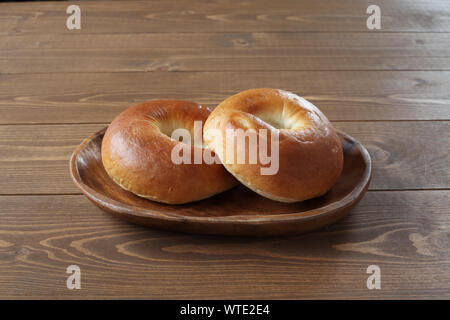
[236, 212]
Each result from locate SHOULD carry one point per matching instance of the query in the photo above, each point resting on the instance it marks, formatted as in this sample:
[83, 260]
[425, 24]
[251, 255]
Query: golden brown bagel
[136, 153]
[310, 151]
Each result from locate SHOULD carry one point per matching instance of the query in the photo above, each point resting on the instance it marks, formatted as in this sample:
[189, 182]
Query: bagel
[137, 148]
[310, 156]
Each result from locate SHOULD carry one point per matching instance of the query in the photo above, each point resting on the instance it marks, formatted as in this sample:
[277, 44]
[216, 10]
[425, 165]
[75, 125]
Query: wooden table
[388, 88]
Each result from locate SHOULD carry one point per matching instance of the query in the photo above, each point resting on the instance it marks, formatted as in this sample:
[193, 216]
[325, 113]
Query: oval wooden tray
[236, 212]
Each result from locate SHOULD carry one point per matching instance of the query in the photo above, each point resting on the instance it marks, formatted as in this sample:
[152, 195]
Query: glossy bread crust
[310, 151]
[136, 153]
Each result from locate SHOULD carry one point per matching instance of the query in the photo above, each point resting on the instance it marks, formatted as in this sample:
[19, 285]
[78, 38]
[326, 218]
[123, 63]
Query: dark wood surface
[388, 88]
[225, 52]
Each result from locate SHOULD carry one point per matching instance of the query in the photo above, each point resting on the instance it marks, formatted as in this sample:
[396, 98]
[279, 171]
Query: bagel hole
[274, 120]
[242, 122]
[168, 128]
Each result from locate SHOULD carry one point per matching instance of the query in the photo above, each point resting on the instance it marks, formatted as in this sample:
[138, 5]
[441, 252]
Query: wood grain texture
[404, 232]
[35, 158]
[98, 97]
[224, 52]
[422, 43]
[226, 15]
[59, 86]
